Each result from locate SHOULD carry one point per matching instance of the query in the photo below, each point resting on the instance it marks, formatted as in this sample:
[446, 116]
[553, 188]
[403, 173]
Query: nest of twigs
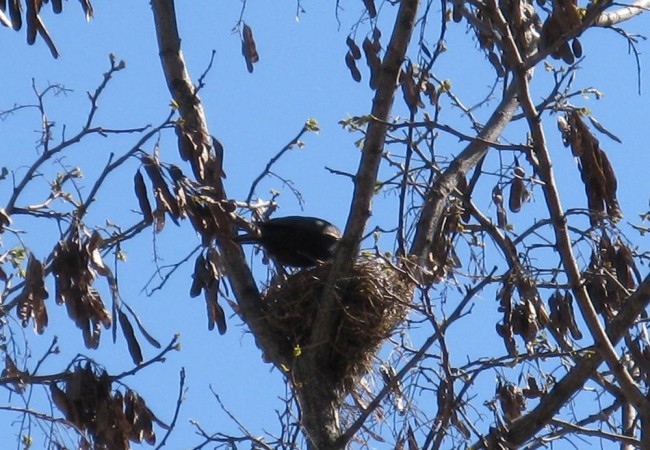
[371, 300]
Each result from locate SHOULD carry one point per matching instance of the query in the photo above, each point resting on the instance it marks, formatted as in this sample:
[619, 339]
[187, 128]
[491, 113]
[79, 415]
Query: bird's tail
[248, 238]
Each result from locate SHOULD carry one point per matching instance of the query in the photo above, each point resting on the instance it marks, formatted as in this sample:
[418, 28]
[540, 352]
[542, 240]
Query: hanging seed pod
[31, 301]
[131, 341]
[497, 198]
[518, 192]
[374, 62]
[506, 333]
[15, 13]
[141, 194]
[165, 199]
[624, 265]
[216, 314]
[410, 90]
[57, 6]
[573, 327]
[248, 48]
[354, 48]
[354, 71]
[565, 53]
[457, 13]
[31, 16]
[512, 400]
[576, 47]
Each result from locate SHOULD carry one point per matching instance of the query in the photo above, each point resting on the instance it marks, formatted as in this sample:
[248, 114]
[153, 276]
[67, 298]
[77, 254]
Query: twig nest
[372, 299]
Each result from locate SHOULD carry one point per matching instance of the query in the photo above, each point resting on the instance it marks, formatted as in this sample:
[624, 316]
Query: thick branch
[184, 93]
[529, 424]
[315, 398]
[609, 18]
[556, 211]
[366, 176]
[432, 211]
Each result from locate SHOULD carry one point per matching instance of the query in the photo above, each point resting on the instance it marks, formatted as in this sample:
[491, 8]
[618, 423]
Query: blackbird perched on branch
[295, 241]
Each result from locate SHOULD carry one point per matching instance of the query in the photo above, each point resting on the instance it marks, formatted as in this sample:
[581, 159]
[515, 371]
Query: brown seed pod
[199, 277]
[353, 47]
[595, 169]
[431, 93]
[131, 340]
[564, 52]
[186, 146]
[512, 400]
[457, 13]
[31, 16]
[140, 190]
[216, 314]
[15, 10]
[576, 47]
[518, 192]
[625, 266]
[248, 48]
[354, 71]
[88, 9]
[31, 301]
[573, 327]
[164, 198]
[410, 90]
[57, 6]
[218, 157]
[374, 62]
[61, 401]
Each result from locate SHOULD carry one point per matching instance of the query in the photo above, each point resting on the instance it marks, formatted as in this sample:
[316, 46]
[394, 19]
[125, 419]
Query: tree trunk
[319, 404]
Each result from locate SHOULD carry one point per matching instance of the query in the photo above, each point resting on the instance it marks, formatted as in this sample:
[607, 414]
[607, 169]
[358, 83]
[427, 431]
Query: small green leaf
[312, 125]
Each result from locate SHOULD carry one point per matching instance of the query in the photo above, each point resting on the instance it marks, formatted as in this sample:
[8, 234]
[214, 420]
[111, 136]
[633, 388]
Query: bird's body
[296, 241]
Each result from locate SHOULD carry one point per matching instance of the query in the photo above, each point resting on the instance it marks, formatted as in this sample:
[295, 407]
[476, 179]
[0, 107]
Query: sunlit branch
[529, 424]
[184, 94]
[609, 18]
[447, 182]
[274, 159]
[564, 245]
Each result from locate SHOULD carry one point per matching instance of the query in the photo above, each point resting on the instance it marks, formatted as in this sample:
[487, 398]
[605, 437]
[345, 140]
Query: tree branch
[542, 161]
[203, 162]
[529, 424]
[447, 182]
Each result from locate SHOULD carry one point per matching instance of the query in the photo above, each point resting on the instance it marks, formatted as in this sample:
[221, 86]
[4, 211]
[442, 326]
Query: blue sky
[301, 75]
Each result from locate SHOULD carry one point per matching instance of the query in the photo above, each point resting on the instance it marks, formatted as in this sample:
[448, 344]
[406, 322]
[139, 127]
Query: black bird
[295, 241]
